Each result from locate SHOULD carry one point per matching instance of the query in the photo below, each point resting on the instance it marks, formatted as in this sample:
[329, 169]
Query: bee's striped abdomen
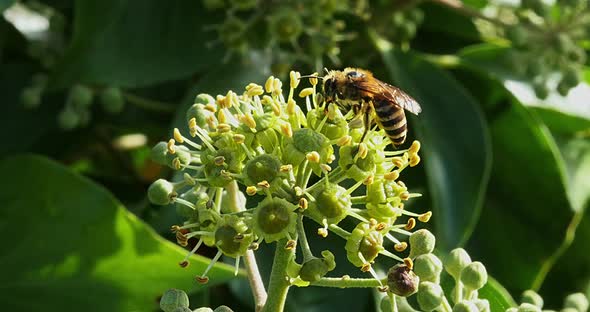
[392, 120]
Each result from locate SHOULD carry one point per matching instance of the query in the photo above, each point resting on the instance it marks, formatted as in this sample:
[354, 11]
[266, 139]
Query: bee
[357, 90]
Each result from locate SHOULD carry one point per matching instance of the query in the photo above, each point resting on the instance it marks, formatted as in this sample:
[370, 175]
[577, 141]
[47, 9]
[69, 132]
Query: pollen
[294, 79]
[425, 217]
[177, 136]
[399, 247]
[313, 157]
[269, 84]
[409, 263]
[410, 224]
[171, 147]
[306, 92]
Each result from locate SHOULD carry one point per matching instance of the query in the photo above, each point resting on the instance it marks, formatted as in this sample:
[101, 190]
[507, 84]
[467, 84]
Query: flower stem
[279, 282]
[342, 282]
[254, 277]
[307, 254]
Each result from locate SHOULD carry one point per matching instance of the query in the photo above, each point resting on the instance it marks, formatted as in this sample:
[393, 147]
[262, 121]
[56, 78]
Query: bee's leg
[365, 110]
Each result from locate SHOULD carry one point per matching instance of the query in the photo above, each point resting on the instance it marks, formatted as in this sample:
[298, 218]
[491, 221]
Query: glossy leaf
[137, 43]
[70, 245]
[498, 297]
[457, 161]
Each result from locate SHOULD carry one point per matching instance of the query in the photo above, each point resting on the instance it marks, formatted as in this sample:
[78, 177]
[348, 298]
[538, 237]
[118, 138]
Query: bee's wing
[394, 95]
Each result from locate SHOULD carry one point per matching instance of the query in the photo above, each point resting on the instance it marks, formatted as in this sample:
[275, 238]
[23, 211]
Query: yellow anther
[239, 138]
[269, 84]
[291, 244]
[414, 148]
[276, 108]
[253, 89]
[409, 263]
[380, 226]
[383, 289]
[325, 168]
[363, 150]
[210, 107]
[369, 180]
[405, 195]
[248, 120]
[313, 81]
[291, 107]
[414, 160]
[251, 190]
[219, 160]
[171, 147]
[366, 267]
[398, 161]
[345, 140]
[286, 168]
[425, 217]
[221, 101]
[232, 99]
[263, 184]
[192, 126]
[202, 279]
[211, 122]
[184, 263]
[331, 111]
[222, 128]
[221, 116]
[391, 176]
[177, 136]
[313, 157]
[277, 85]
[176, 163]
[303, 203]
[402, 184]
[399, 247]
[306, 92]
[254, 246]
[294, 79]
[286, 130]
[323, 232]
[410, 224]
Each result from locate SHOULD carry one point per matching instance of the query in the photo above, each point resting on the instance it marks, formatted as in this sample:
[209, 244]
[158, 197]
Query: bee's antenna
[311, 76]
[326, 70]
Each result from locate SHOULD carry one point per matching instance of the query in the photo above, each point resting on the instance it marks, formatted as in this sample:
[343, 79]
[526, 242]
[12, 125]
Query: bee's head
[333, 83]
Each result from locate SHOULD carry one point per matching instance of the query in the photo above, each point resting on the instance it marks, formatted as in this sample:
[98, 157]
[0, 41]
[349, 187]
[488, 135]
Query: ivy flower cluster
[255, 165]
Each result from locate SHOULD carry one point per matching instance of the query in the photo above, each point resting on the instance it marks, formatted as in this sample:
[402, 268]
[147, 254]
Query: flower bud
[456, 261]
[331, 203]
[565, 310]
[421, 242]
[198, 110]
[482, 304]
[223, 308]
[161, 192]
[112, 100]
[80, 96]
[465, 306]
[68, 119]
[316, 268]
[264, 167]
[527, 307]
[428, 267]
[577, 301]
[364, 244]
[31, 97]
[172, 299]
[474, 276]
[226, 233]
[402, 281]
[430, 296]
[274, 218]
[530, 296]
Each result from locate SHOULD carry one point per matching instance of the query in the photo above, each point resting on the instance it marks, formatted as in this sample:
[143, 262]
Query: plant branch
[254, 277]
[343, 282]
[279, 281]
[459, 7]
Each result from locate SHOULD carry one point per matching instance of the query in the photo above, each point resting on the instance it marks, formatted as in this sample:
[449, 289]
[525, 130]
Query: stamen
[185, 261]
[237, 266]
[177, 136]
[203, 279]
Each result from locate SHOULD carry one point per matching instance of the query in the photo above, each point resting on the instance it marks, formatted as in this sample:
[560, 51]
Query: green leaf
[70, 245]
[494, 60]
[562, 123]
[456, 149]
[5, 4]
[138, 43]
[499, 298]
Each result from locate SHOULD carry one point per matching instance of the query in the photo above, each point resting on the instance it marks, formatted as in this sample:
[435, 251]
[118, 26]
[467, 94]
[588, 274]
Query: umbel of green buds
[430, 296]
[428, 267]
[456, 261]
[474, 276]
[173, 299]
[402, 281]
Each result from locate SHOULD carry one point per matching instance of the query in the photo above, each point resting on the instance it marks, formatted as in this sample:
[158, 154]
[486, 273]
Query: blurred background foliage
[88, 86]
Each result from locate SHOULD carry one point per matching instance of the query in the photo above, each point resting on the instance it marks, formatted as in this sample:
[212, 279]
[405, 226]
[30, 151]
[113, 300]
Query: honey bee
[357, 90]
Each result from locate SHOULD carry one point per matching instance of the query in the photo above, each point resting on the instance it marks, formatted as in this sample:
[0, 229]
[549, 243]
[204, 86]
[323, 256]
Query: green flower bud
[274, 218]
[31, 97]
[571, 77]
[182, 309]
[465, 306]
[541, 90]
[474, 276]
[407, 30]
[204, 309]
[417, 15]
[223, 308]
[482, 304]
[264, 167]
[233, 236]
[159, 153]
[530, 296]
[569, 310]
[518, 35]
[199, 199]
[577, 54]
[527, 307]
[402, 281]
[577, 301]
[428, 267]
[161, 192]
[331, 203]
[112, 100]
[364, 244]
[80, 96]
[563, 88]
[421, 242]
[232, 33]
[68, 119]
[316, 268]
[285, 25]
[199, 112]
[172, 299]
[456, 261]
[430, 296]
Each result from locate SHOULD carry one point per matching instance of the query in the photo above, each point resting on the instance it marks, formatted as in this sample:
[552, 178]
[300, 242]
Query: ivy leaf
[137, 43]
[455, 141]
[69, 245]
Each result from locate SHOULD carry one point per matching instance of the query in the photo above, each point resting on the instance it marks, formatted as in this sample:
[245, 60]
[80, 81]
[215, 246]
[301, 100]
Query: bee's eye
[354, 74]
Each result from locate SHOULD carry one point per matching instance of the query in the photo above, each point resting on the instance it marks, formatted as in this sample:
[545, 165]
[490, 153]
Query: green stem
[305, 249]
[445, 306]
[254, 277]
[340, 282]
[279, 282]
